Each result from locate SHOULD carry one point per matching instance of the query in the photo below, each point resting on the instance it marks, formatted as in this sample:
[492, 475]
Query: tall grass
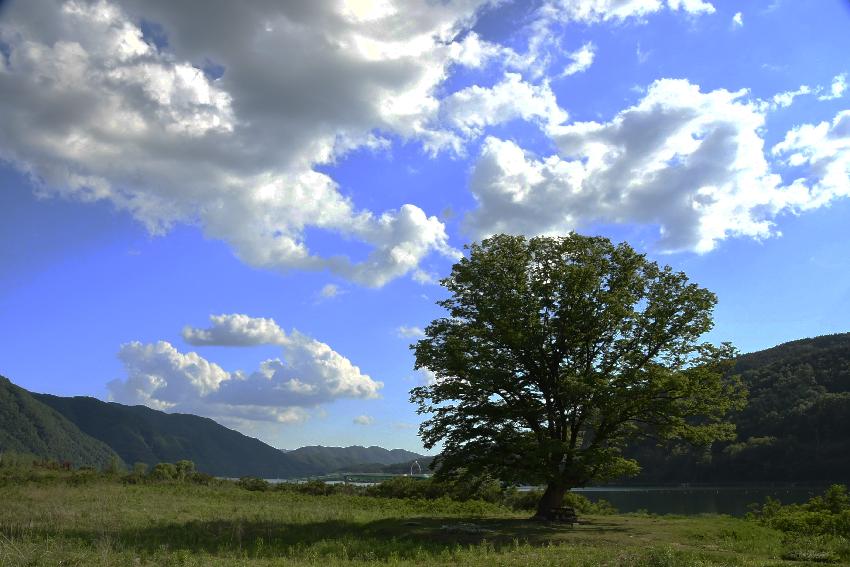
[87, 518]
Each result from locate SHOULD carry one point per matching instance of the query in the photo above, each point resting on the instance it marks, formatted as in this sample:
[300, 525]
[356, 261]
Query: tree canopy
[556, 352]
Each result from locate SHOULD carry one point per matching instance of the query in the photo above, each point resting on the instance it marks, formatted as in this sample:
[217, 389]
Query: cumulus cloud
[96, 111]
[364, 420]
[406, 332]
[472, 109]
[310, 374]
[187, 127]
[691, 163]
[824, 151]
[236, 330]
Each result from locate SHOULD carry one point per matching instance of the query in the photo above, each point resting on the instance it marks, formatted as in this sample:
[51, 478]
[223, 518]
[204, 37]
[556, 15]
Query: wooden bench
[565, 514]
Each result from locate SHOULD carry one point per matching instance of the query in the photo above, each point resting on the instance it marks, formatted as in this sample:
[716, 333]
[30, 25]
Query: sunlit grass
[108, 523]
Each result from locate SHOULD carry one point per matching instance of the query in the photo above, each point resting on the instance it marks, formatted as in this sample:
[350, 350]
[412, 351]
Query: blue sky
[304, 174]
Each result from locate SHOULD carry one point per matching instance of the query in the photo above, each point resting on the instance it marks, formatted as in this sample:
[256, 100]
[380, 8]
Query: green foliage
[460, 489]
[185, 469]
[528, 500]
[793, 428]
[115, 466]
[817, 531]
[29, 426]
[163, 471]
[556, 352]
[17, 460]
[254, 484]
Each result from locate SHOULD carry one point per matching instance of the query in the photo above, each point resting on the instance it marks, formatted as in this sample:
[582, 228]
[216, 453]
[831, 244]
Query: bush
[254, 484]
[85, 475]
[185, 469]
[521, 500]
[201, 478]
[527, 500]
[114, 467]
[163, 471]
[828, 514]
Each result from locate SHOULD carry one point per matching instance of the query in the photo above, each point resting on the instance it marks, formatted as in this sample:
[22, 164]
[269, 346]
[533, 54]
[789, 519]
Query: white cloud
[310, 374]
[95, 112]
[406, 332]
[236, 330]
[824, 150]
[691, 163]
[692, 6]
[738, 20]
[474, 108]
[786, 99]
[606, 10]
[837, 88]
[364, 420]
[580, 60]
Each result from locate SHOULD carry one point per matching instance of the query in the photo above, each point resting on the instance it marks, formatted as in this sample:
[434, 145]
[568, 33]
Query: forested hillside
[141, 434]
[29, 426]
[795, 428]
[344, 458]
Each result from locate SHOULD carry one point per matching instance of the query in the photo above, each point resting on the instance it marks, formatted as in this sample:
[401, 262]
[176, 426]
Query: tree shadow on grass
[382, 539]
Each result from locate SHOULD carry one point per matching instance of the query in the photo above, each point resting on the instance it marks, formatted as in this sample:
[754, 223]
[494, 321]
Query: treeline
[26, 467]
[793, 429]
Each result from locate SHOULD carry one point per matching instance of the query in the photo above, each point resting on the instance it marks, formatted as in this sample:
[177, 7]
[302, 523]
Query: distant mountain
[141, 434]
[795, 428]
[342, 458]
[29, 426]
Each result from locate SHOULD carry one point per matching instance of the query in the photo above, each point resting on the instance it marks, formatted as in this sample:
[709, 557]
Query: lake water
[732, 500]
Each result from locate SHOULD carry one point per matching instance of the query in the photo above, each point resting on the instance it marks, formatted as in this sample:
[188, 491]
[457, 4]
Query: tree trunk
[553, 497]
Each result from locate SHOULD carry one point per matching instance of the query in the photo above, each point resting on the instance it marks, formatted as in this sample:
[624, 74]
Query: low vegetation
[172, 515]
[818, 530]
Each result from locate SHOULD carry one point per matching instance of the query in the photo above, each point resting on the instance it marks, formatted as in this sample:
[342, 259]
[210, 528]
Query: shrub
[114, 467]
[527, 500]
[163, 471]
[201, 478]
[254, 484]
[185, 469]
[828, 514]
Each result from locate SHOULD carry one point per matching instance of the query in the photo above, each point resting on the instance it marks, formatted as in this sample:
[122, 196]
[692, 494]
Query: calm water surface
[683, 500]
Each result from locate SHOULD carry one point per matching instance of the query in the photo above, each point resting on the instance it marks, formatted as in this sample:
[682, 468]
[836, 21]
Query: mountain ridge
[141, 434]
[31, 427]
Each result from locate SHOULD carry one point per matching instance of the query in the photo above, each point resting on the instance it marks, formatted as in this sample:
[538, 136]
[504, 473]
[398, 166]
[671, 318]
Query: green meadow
[92, 519]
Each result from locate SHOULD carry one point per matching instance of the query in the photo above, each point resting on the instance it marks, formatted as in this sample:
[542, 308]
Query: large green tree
[556, 352]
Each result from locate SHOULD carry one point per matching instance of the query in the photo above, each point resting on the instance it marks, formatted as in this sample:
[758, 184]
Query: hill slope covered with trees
[795, 428]
[141, 434]
[29, 426]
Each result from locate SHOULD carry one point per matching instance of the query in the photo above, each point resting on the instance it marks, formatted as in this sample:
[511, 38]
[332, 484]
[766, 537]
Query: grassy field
[105, 522]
